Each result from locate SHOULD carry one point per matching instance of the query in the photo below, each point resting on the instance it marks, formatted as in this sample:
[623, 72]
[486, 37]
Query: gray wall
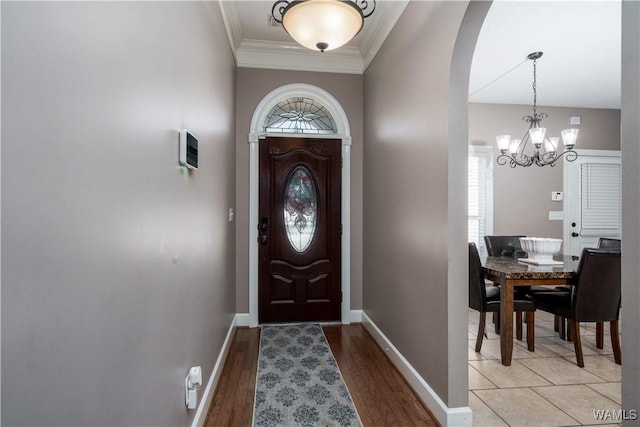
[253, 85]
[525, 193]
[117, 267]
[406, 196]
[630, 135]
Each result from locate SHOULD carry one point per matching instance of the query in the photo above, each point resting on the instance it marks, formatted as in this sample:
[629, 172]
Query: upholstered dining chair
[603, 243]
[607, 243]
[595, 297]
[487, 299]
[509, 246]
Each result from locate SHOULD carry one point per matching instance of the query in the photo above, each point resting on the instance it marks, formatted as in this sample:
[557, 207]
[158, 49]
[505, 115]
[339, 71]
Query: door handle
[574, 234]
[263, 239]
[264, 224]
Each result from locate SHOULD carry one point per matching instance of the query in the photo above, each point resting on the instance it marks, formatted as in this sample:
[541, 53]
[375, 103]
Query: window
[300, 115]
[480, 209]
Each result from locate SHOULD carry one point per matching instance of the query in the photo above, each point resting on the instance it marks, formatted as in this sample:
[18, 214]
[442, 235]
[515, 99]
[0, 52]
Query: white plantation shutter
[480, 184]
[600, 199]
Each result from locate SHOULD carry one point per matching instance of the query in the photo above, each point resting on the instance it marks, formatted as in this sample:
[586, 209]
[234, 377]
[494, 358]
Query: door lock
[574, 234]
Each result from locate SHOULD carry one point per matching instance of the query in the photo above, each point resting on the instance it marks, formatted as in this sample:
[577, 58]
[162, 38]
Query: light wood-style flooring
[380, 394]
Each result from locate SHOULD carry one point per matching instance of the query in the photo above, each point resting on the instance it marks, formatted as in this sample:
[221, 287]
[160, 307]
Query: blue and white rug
[299, 383]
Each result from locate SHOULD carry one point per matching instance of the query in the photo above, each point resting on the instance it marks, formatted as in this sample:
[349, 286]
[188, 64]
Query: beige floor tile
[516, 375]
[582, 404]
[524, 407]
[544, 329]
[604, 367]
[565, 348]
[473, 355]
[491, 349]
[611, 390]
[477, 381]
[560, 371]
[483, 416]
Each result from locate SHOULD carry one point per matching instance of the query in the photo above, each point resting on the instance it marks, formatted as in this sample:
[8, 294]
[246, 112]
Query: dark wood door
[299, 230]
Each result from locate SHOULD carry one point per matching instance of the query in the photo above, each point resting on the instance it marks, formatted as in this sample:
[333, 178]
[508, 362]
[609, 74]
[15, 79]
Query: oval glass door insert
[300, 209]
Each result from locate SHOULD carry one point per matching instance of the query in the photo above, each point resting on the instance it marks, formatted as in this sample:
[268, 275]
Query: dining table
[510, 272]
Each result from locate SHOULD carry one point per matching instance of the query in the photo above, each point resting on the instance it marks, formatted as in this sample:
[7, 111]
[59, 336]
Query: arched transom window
[300, 115]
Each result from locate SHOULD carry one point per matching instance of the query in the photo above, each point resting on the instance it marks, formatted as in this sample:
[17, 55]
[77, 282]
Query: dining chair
[509, 246]
[603, 243]
[595, 297]
[487, 299]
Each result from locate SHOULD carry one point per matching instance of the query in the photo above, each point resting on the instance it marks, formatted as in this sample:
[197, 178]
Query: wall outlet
[556, 215]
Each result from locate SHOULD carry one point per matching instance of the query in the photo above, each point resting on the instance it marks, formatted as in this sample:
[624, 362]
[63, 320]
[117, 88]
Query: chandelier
[322, 24]
[545, 149]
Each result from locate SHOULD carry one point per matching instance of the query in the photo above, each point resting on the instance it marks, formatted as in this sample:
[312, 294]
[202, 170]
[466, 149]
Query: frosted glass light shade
[537, 136]
[513, 147]
[569, 137]
[322, 24]
[552, 144]
[503, 142]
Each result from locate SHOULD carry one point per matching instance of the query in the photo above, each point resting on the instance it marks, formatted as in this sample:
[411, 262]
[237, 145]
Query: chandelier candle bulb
[537, 136]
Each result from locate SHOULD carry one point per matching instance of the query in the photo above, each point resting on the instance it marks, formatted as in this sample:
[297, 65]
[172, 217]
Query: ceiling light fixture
[545, 149]
[322, 24]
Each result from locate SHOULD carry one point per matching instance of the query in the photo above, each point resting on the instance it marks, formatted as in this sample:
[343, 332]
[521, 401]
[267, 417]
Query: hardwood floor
[380, 394]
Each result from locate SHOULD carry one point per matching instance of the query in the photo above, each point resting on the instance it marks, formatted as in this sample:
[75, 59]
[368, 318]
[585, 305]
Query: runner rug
[298, 382]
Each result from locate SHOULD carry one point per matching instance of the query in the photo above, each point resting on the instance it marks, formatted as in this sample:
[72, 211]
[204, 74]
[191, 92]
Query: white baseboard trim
[242, 319]
[207, 396]
[446, 416]
[355, 316]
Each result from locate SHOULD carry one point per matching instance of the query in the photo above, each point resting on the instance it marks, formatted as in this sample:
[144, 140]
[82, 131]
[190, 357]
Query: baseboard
[242, 319]
[446, 416]
[355, 316]
[207, 396]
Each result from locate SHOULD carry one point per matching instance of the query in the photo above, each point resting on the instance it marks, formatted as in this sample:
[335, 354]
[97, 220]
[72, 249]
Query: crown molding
[292, 56]
[251, 53]
[376, 31]
[231, 24]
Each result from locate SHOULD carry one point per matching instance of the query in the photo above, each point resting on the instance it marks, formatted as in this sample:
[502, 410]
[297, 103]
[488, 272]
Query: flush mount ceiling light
[322, 24]
[545, 149]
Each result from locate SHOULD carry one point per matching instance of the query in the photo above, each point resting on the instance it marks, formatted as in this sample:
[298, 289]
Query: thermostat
[188, 149]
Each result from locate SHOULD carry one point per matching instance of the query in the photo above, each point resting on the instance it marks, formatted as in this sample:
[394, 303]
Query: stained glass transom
[300, 115]
[300, 209]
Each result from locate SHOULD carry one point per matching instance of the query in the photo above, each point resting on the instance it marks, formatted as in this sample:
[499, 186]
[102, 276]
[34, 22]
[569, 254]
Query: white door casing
[255, 133]
[573, 190]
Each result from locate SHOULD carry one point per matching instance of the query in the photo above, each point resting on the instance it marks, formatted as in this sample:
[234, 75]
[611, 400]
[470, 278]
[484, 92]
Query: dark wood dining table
[510, 272]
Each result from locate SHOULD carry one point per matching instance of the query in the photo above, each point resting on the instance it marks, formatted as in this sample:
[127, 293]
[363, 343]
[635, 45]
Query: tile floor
[544, 387]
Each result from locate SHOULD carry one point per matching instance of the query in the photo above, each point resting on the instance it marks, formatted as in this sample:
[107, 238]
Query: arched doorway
[258, 130]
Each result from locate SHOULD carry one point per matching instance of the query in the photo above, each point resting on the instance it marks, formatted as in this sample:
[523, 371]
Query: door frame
[255, 134]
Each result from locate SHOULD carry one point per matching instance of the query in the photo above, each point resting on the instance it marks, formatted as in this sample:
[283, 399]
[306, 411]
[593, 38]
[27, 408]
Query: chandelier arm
[281, 5]
[364, 6]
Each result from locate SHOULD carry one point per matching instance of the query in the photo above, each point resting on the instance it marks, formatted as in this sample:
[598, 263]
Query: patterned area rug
[299, 383]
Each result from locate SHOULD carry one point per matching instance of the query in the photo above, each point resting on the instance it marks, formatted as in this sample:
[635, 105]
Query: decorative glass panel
[300, 115]
[300, 209]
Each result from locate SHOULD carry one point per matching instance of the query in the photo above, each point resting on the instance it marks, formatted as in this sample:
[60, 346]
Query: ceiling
[580, 40]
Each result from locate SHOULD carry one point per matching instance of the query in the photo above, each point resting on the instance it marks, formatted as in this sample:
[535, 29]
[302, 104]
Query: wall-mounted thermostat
[188, 149]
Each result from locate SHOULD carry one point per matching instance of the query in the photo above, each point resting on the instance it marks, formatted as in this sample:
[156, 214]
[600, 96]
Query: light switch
[556, 196]
[231, 214]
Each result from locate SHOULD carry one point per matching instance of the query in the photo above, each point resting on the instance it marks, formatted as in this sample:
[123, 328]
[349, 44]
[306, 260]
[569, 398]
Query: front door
[299, 230]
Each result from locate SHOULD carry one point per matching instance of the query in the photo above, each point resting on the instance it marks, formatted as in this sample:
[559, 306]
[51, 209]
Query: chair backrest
[596, 295]
[508, 246]
[477, 289]
[605, 242]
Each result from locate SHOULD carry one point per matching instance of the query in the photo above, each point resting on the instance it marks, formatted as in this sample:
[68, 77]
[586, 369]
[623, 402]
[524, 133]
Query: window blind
[600, 199]
[480, 198]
